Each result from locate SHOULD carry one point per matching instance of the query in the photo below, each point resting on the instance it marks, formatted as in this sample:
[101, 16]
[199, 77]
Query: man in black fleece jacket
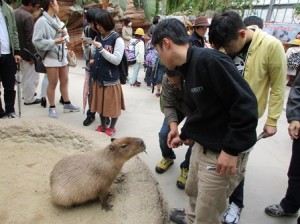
[222, 122]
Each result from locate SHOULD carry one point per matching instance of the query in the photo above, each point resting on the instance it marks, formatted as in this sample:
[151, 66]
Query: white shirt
[4, 37]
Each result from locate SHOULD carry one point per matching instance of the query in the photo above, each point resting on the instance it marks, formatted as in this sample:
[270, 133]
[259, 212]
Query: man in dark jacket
[25, 24]
[222, 121]
[290, 204]
[9, 56]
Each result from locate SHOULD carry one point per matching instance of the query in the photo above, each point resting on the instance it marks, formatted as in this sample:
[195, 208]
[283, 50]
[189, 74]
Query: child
[139, 49]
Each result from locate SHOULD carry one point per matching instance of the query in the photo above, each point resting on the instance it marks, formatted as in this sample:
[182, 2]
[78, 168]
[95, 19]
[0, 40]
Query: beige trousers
[207, 190]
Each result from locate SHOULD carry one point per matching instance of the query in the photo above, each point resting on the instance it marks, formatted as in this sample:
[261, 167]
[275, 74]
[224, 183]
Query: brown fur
[79, 178]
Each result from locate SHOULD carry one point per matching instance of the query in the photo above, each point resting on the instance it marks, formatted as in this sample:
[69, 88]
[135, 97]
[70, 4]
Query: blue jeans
[158, 76]
[136, 69]
[165, 150]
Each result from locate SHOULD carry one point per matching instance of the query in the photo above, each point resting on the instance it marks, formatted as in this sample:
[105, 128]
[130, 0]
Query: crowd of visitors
[217, 77]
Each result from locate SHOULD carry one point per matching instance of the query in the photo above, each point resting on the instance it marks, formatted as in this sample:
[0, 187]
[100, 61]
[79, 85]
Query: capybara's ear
[112, 147]
[112, 139]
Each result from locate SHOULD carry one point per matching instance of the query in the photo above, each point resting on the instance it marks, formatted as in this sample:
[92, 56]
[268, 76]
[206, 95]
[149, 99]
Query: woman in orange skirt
[106, 91]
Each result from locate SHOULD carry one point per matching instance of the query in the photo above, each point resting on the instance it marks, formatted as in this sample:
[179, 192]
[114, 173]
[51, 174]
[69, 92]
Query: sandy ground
[30, 149]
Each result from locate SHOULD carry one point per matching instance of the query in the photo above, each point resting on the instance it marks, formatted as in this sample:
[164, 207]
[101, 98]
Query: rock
[75, 21]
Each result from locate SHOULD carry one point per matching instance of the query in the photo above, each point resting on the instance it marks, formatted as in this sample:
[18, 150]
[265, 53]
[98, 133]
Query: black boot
[61, 100]
[90, 118]
[43, 102]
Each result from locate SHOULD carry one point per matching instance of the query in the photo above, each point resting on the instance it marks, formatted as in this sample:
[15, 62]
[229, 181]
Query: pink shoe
[110, 132]
[100, 128]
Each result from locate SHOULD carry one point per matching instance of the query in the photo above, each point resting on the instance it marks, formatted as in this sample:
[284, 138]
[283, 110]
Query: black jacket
[196, 40]
[223, 107]
[293, 104]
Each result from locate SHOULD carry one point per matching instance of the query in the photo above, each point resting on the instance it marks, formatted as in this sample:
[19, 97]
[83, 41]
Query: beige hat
[201, 21]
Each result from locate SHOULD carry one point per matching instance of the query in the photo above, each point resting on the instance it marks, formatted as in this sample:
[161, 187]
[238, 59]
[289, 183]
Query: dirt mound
[29, 149]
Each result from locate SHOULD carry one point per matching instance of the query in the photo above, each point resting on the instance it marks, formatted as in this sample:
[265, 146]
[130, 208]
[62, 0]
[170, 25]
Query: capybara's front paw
[107, 207]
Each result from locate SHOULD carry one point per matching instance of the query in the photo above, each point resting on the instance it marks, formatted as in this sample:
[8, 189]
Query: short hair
[254, 20]
[127, 20]
[32, 2]
[91, 13]
[155, 19]
[171, 28]
[104, 19]
[224, 28]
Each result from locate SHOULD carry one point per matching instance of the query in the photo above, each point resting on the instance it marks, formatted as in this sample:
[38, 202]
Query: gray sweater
[44, 35]
[293, 103]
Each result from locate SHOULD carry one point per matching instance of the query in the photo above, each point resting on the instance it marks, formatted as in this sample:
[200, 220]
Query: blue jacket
[102, 70]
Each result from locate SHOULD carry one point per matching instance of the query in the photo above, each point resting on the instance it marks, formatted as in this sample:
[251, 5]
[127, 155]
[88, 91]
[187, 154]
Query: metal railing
[277, 11]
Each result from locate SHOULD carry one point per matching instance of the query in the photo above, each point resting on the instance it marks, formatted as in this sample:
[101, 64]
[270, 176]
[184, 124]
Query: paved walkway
[266, 179]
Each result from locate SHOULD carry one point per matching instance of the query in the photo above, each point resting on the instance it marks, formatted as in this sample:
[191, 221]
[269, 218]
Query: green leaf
[76, 8]
[149, 7]
[123, 4]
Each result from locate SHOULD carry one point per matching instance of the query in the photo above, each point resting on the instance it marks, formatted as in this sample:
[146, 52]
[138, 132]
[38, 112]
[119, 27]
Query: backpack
[293, 61]
[151, 58]
[130, 53]
[151, 54]
[123, 66]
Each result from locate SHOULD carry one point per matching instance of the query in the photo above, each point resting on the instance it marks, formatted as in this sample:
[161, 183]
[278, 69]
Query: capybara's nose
[142, 142]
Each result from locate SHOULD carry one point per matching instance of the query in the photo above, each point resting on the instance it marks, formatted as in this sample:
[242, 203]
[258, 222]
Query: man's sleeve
[293, 103]
[15, 37]
[28, 29]
[277, 69]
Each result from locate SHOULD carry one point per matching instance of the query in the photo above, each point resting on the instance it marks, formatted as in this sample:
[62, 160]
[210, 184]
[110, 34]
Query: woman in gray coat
[49, 39]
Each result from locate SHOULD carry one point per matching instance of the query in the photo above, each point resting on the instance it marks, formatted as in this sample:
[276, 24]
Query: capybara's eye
[124, 146]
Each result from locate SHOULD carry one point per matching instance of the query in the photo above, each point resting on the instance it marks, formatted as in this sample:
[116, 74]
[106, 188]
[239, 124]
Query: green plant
[150, 7]
[297, 9]
[77, 8]
[198, 6]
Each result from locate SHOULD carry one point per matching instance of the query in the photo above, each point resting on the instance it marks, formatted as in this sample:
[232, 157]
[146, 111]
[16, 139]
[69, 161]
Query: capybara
[78, 178]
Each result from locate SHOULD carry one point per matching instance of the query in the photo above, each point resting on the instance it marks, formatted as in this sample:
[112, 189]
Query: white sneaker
[12, 115]
[71, 108]
[232, 214]
[52, 112]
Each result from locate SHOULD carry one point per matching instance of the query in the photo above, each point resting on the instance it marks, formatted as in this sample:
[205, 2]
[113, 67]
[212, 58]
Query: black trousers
[8, 71]
[238, 195]
[291, 202]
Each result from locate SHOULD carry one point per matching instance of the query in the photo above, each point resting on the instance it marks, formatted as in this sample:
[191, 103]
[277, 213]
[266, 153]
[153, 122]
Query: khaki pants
[207, 190]
[29, 82]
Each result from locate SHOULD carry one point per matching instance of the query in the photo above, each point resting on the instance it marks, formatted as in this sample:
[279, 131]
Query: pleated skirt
[107, 100]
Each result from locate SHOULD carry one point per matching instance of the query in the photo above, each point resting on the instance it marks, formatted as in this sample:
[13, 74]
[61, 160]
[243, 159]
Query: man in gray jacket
[25, 24]
[290, 204]
[175, 110]
[9, 56]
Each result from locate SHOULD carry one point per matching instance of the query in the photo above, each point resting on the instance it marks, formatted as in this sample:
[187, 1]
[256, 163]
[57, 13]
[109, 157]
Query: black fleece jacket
[224, 109]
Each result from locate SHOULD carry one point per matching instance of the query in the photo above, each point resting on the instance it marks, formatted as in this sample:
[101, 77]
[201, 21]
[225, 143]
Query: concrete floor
[266, 179]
